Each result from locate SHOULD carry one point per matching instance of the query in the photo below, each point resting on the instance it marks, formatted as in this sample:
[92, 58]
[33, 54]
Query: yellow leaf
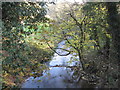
[21, 74]
[39, 80]
[87, 64]
[31, 74]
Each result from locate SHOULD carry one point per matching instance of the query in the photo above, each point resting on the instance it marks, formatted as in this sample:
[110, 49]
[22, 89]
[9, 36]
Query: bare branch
[57, 48]
[69, 42]
[77, 23]
[83, 20]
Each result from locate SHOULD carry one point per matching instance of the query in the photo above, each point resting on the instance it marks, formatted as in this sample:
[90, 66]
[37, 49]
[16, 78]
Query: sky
[80, 1]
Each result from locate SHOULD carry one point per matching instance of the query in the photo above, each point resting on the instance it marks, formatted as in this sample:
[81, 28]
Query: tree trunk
[81, 59]
[114, 22]
[107, 47]
[96, 39]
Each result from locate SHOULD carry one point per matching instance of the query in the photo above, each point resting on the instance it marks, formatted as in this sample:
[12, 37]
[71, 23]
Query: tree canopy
[91, 31]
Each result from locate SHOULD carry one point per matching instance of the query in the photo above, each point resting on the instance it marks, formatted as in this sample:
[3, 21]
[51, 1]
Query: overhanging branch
[53, 49]
[69, 42]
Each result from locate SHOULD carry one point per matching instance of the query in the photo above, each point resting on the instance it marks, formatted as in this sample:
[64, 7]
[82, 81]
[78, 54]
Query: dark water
[56, 77]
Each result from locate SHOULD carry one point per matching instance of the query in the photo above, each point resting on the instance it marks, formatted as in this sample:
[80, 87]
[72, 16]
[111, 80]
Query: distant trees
[83, 27]
[71, 29]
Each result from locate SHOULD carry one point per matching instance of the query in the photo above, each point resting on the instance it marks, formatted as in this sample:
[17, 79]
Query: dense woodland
[29, 39]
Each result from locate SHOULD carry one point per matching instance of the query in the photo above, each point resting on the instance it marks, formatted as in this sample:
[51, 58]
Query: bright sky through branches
[80, 1]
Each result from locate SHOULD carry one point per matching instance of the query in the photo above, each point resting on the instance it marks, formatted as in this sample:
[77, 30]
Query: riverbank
[100, 72]
[58, 75]
[32, 58]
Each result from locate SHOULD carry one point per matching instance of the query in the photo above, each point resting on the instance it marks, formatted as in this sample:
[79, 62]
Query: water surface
[59, 74]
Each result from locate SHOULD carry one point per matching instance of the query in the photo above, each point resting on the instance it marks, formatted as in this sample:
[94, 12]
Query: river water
[55, 77]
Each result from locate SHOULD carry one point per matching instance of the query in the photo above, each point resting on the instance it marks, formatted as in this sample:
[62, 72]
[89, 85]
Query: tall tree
[114, 21]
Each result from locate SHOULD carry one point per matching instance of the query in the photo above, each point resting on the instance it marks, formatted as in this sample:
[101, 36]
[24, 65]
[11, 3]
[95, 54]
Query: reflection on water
[56, 77]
